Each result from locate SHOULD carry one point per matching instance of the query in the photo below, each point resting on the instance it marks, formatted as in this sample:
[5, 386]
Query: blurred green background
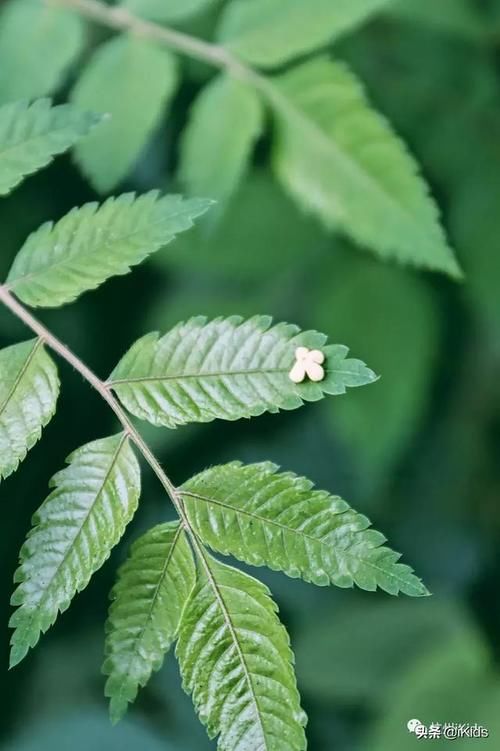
[418, 451]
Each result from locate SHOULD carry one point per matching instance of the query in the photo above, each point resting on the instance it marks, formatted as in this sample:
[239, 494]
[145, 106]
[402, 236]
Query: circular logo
[412, 725]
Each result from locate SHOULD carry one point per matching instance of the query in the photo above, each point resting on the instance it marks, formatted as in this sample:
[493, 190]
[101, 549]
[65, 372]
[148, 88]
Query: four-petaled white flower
[308, 362]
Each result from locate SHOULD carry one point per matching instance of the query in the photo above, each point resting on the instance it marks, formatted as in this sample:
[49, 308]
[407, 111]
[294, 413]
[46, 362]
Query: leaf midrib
[201, 374]
[232, 630]
[214, 374]
[284, 104]
[38, 343]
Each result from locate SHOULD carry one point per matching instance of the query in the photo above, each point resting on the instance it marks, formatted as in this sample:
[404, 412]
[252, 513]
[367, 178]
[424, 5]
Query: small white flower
[308, 362]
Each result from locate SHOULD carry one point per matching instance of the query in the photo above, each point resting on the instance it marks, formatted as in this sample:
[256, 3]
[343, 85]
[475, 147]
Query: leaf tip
[457, 274]
[118, 705]
[419, 589]
[201, 205]
[116, 714]
[17, 654]
[452, 268]
[99, 117]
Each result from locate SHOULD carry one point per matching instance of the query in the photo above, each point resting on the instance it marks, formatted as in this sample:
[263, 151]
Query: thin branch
[45, 336]
[8, 299]
[120, 19]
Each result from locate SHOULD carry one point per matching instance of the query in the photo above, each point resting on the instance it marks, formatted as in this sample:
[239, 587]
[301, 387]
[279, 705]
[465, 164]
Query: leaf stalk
[102, 388]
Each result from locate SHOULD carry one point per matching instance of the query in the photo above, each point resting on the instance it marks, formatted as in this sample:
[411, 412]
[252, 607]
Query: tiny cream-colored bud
[315, 371]
[297, 373]
[301, 353]
[316, 355]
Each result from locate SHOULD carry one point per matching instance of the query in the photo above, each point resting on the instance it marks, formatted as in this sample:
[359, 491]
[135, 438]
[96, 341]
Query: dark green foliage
[341, 141]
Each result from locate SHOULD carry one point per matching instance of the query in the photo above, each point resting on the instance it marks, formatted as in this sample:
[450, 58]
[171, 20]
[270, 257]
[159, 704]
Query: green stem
[120, 19]
[104, 390]
[10, 302]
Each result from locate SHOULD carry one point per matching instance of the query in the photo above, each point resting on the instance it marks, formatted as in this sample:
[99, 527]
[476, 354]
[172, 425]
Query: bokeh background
[418, 451]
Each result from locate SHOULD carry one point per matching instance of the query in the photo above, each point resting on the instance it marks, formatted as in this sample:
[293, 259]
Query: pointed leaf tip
[341, 160]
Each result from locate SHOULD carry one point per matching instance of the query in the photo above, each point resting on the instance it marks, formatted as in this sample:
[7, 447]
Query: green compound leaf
[228, 369]
[279, 520]
[228, 116]
[236, 662]
[38, 43]
[270, 32]
[166, 12]
[72, 536]
[29, 387]
[31, 135]
[133, 80]
[148, 599]
[341, 161]
[95, 242]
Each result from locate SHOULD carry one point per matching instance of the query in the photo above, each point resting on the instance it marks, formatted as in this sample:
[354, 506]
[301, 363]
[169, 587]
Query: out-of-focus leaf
[395, 326]
[227, 369]
[354, 652]
[166, 11]
[341, 161]
[225, 121]
[260, 233]
[270, 32]
[454, 96]
[31, 135]
[38, 42]
[453, 682]
[133, 80]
